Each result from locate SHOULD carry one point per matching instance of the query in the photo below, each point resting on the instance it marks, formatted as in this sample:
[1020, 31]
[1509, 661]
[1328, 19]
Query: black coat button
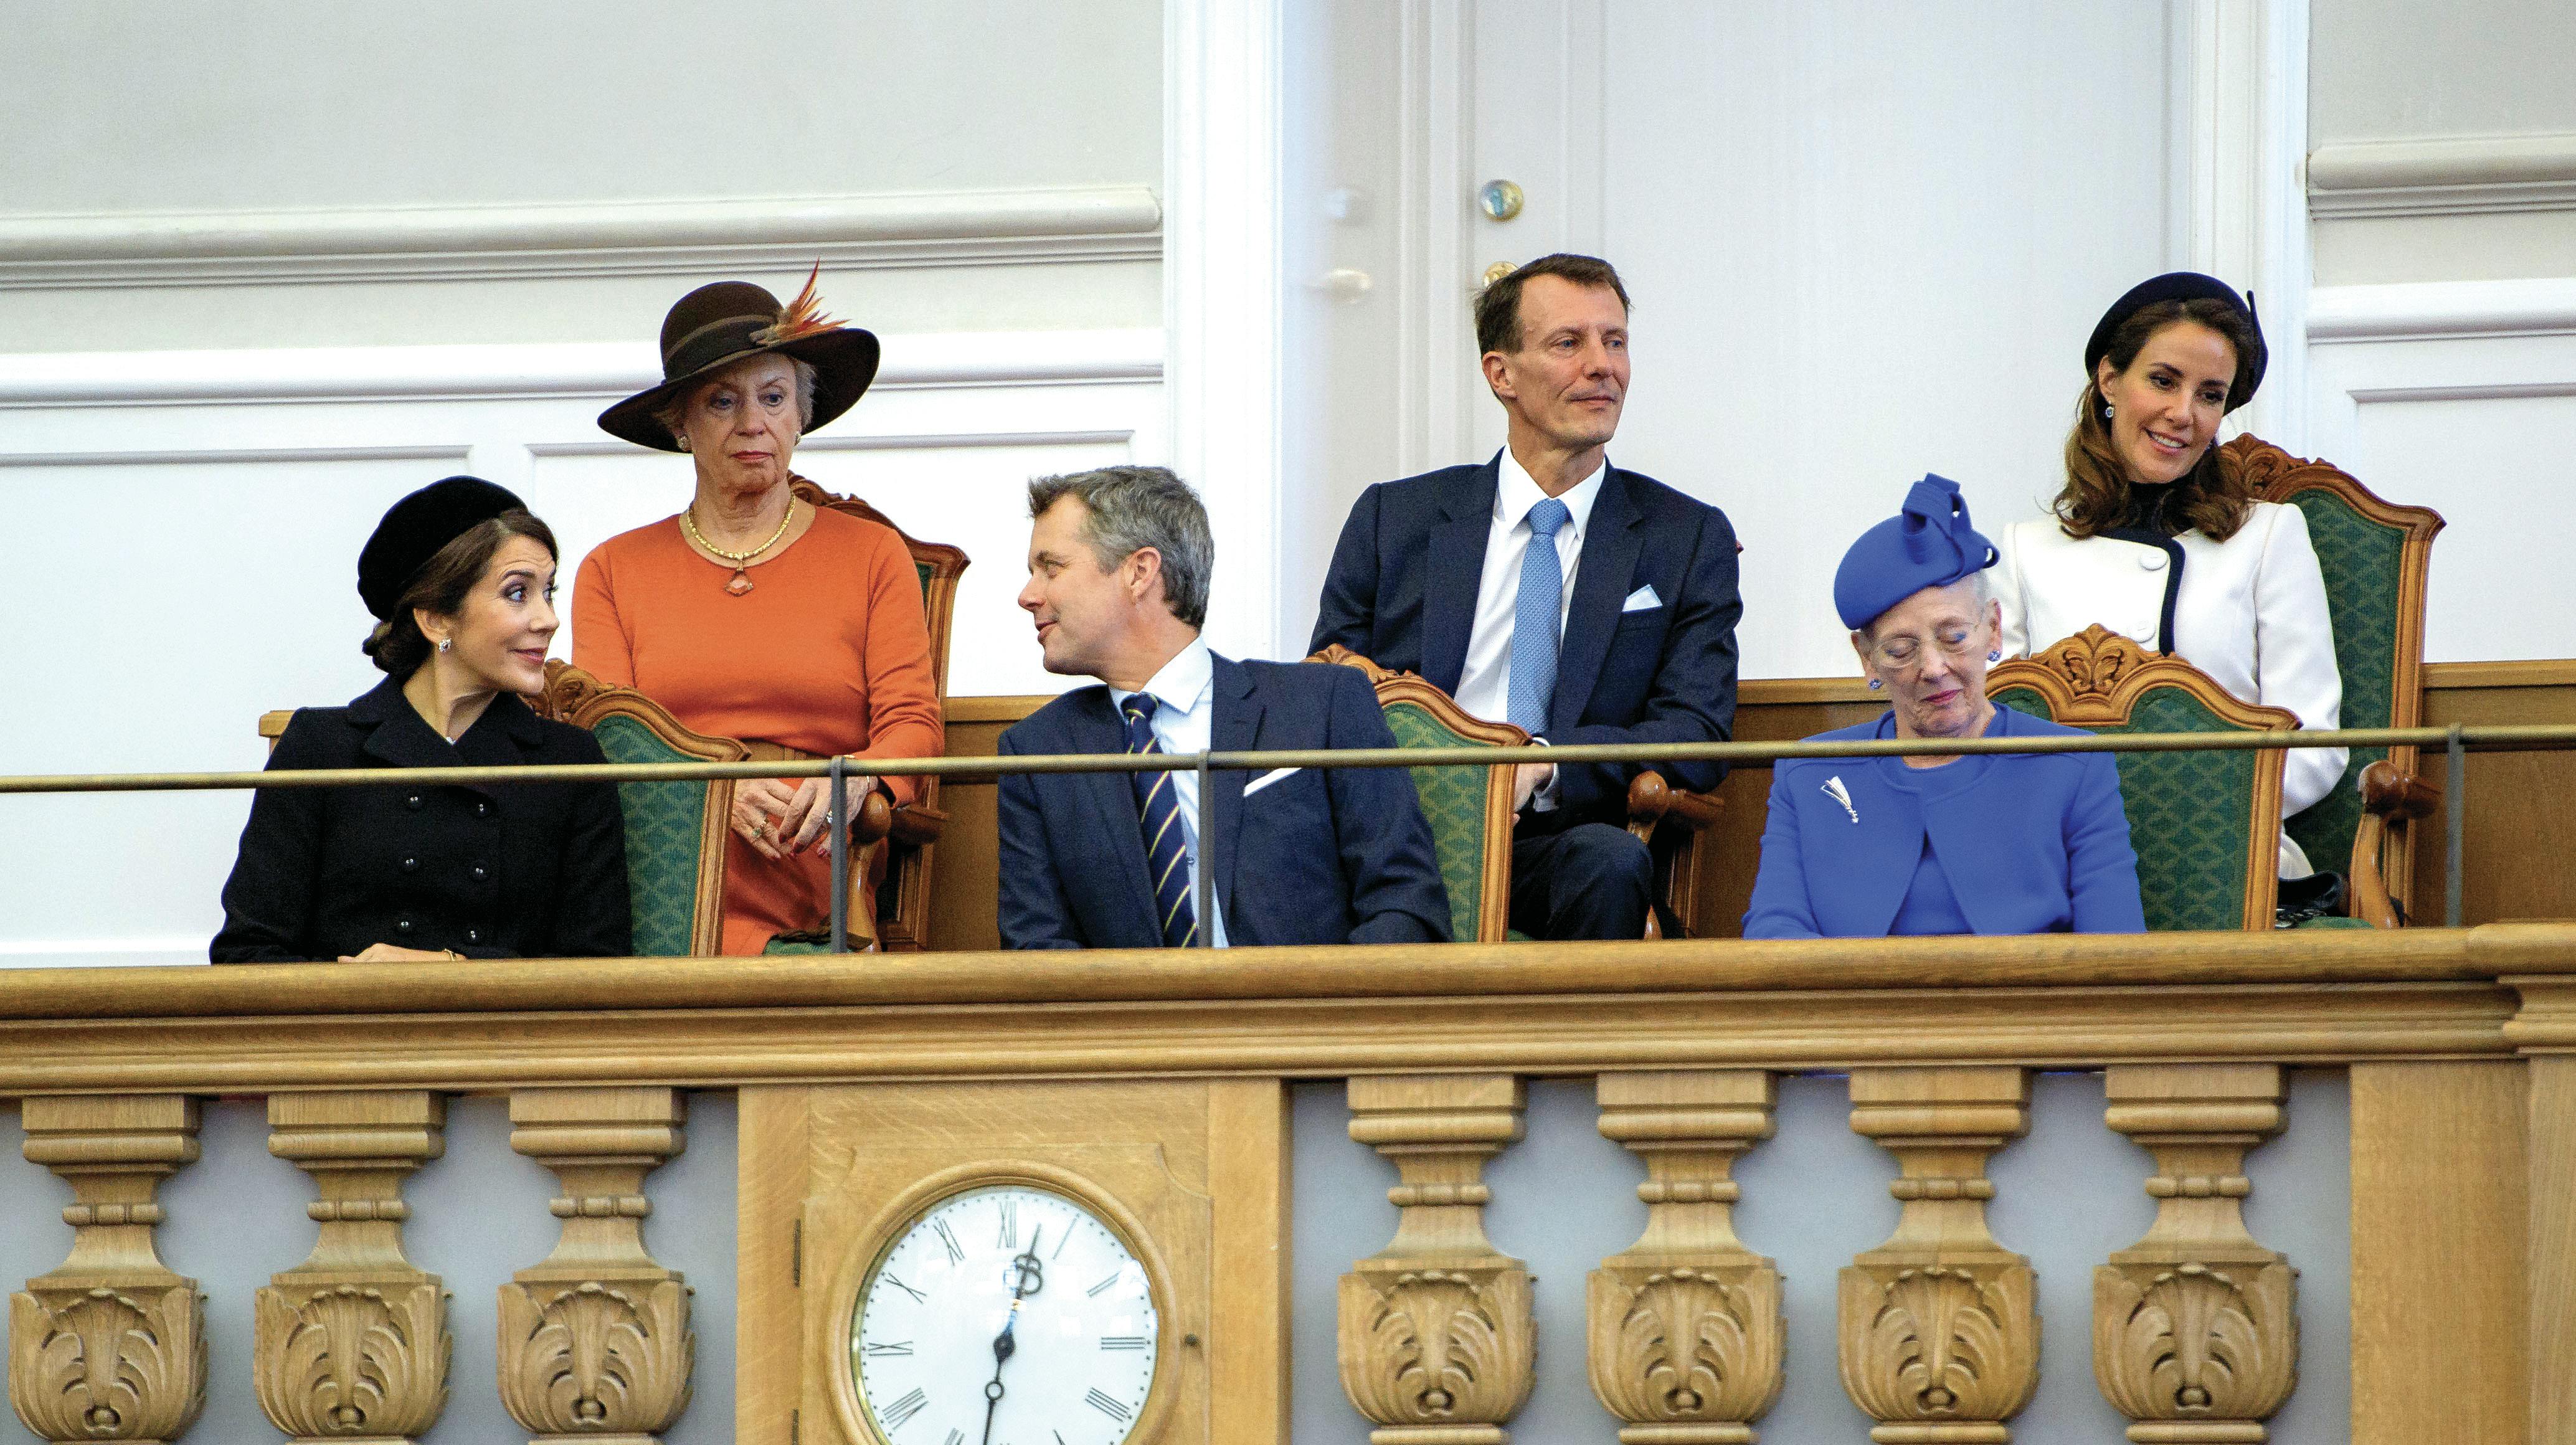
[411, 865]
[412, 802]
[402, 925]
[482, 810]
[480, 873]
[474, 935]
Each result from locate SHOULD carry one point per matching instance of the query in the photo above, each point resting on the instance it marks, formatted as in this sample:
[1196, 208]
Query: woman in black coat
[462, 578]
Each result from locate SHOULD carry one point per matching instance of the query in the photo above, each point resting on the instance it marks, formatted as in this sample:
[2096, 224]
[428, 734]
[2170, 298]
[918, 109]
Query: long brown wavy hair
[2213, 496]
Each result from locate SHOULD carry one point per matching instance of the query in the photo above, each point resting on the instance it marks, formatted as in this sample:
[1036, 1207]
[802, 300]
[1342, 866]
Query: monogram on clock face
[1005, 1315]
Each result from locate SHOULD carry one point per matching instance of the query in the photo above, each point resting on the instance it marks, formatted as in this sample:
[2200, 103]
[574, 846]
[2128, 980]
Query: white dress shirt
[2251, 613]
[1184, 694]
[1485, 684]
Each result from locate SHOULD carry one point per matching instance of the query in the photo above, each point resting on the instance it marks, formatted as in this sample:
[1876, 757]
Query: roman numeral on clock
[1101, 1288]
[956, 1437]
[1121, 1342]
[1010, 1224]
[948, 1238]
[892, 1349]
[1108, 1406]
[917, 1296]
[904, 1409]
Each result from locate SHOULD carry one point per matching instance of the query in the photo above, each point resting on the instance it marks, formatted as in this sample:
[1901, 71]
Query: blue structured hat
[1927, 544]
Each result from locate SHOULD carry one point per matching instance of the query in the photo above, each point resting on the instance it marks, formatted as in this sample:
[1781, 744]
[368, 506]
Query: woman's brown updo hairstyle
[443, 583]
[2212, 497]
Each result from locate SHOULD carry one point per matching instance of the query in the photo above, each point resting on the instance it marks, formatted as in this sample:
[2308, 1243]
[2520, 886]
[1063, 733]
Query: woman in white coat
[2156, 534]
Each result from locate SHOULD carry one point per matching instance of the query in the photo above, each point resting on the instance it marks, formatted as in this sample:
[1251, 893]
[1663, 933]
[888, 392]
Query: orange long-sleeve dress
[828, 653]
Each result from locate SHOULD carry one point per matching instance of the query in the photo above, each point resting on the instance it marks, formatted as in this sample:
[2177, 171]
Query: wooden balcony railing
[862, 1077]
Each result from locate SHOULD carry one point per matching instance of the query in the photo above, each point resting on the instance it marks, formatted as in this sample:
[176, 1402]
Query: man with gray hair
[1119, 564]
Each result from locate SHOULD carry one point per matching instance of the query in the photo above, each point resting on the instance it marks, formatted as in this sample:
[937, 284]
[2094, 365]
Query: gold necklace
[740, 582]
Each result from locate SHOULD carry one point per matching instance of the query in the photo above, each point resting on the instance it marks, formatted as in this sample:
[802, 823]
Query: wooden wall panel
[2439, 1219]
[2521, 823]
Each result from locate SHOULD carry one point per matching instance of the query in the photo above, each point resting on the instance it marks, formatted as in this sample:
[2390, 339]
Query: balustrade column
[1686, 1332]
[1940, 1325]
[111, 1346]
[353, 1343]
[1436, 1329]
[2195, 1334]
[595, 1342]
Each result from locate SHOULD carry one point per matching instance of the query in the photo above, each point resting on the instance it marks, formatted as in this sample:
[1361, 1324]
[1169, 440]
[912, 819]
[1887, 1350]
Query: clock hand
[1027, 1278]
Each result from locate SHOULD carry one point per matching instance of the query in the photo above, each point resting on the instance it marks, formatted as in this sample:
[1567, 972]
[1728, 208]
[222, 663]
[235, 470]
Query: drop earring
[2106, 411]
[1875, 684]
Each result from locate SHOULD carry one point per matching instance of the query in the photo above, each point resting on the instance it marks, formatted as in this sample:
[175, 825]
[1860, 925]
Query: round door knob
[1501, 200]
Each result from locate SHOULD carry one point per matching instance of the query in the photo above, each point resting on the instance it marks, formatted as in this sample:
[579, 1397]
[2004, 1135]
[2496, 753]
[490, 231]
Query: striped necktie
[1158, 813]
[1535, 617]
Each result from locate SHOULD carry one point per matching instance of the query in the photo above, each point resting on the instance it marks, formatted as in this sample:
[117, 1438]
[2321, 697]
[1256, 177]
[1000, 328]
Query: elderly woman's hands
[779, 821]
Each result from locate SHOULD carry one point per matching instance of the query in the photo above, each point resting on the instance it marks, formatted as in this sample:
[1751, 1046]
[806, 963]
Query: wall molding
[636, 238]
[2442, 310]
[593, 370]
[2444, 176]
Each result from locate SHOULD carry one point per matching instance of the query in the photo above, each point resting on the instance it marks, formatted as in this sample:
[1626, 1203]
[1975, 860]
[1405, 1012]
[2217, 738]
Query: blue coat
[1325, 855]
[2031, 844]
[1401, 591]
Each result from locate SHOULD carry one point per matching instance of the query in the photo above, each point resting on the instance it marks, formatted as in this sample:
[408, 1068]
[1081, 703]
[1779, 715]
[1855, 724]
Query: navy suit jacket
[1402, 592]
[2037, 843]
[1324, 855]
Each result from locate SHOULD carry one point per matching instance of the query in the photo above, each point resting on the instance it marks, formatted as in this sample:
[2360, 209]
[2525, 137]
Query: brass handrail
[2527, 738]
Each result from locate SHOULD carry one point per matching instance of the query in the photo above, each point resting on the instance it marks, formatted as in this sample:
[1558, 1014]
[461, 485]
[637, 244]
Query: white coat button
[2153, 561]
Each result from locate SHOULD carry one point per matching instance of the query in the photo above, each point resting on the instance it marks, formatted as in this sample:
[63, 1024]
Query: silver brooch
[1834, 789]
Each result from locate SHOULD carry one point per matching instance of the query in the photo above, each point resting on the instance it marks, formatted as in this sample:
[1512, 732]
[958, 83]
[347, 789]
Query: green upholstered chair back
[675, 831]
[2375, 557]
[1469, 809]
[2205, 825]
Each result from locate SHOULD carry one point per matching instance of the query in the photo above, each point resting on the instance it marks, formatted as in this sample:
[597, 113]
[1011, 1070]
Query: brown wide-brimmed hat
[715, 326]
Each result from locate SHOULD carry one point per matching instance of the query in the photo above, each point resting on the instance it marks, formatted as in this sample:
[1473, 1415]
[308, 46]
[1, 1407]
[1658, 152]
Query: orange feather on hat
[803, 316]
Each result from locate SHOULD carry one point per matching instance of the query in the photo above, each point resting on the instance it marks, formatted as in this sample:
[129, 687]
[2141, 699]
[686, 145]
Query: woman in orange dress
[751, 614]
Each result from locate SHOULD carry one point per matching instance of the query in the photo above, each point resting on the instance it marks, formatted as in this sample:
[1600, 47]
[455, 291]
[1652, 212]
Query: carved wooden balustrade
[2460, 1045]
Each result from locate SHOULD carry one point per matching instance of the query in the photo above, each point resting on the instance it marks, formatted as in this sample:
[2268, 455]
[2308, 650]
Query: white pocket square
[1641, 599]
[1266, 779]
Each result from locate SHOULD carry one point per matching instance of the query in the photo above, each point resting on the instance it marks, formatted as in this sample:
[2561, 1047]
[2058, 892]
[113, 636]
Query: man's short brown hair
[1498, 307]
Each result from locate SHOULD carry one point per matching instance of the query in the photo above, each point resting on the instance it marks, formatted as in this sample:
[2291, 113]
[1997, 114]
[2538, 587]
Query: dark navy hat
[1928, 544]
[2185, 286]
[416, 528]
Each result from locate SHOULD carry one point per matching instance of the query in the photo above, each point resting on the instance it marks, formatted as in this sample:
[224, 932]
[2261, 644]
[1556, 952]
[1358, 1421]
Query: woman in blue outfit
[1994, 843]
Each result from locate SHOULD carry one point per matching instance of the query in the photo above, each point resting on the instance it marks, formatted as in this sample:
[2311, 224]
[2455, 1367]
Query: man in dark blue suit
[1119, 563]
[1618, 626]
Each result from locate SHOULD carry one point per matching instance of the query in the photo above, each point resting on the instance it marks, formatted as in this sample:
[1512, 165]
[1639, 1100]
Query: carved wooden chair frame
[1493, 916]
[917, 827]
[581, 699]
[2096, 679]
[2392, 794]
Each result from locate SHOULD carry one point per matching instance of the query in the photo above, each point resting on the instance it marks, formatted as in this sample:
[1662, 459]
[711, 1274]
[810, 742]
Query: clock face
[1005, 1315]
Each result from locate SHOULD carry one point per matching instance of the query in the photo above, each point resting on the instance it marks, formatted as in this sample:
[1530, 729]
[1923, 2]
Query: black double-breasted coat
[532, 870]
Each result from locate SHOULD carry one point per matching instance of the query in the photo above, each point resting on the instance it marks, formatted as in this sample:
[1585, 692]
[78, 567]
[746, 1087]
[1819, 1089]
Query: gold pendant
[740, 585]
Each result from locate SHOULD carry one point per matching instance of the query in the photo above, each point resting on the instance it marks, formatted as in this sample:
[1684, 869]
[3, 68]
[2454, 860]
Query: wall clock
[1010, 1303]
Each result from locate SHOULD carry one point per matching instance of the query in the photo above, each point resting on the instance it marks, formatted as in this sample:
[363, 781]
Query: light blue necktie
[1534, 619]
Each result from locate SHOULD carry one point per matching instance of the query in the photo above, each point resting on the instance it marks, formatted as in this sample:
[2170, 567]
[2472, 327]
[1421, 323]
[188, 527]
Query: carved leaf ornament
[1946, 1344]
[2187, 1342]
[108, 1365]
[1445, 1343]
[1692, 1346]
[594, 1358]
[350, 1361]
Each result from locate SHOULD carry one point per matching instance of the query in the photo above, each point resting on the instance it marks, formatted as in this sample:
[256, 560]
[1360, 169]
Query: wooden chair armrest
[2388, 793]
[875, 819]
[917, 826]
[1651, 799]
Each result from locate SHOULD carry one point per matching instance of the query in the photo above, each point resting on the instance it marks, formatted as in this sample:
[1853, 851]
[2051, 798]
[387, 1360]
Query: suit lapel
[1112, 798]
[397, 733]
[1610, 547]
[1453, 570]
[1236, 728]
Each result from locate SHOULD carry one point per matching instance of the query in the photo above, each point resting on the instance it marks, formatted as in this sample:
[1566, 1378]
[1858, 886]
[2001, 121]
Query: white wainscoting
[2461, 396]
[188, 526]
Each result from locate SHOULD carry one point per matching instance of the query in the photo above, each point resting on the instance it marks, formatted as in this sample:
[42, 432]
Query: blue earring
[1875, 684]
[1995, 656]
